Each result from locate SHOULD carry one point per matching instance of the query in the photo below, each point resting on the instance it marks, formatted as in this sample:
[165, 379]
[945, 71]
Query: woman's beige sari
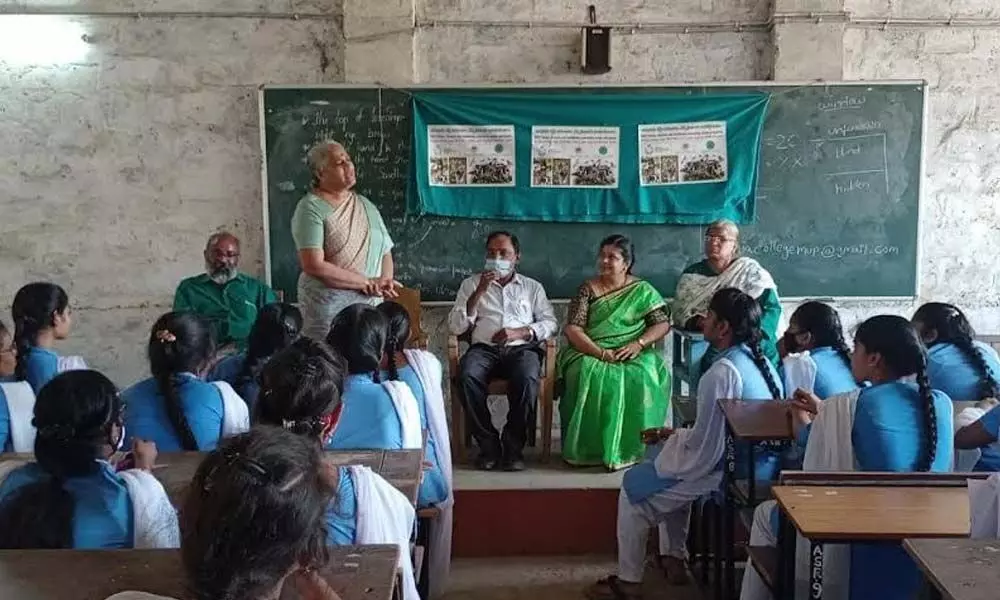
[355, 237]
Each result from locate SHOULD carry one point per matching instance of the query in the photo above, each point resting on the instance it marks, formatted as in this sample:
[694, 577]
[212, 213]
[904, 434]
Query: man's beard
[221, 275]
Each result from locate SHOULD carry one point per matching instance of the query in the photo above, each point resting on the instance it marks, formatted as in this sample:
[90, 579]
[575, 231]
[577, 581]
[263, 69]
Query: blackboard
[838, 196]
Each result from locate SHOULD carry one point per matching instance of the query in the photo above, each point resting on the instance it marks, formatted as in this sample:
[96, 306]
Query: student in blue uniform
[683, 465]
[72, 497]
[8, 354]
[41, 318]
[174, 408]
[435, 486]
[957, 364]
[301, 390]
[899, 425]
[815, 357]
[370, 418]
[253, 522]
[277, 326]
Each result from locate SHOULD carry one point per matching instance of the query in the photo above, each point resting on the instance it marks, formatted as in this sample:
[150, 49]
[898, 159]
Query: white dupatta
[154, 519]
[235, 414]
[21, 406]
[408, 413]
[694, 291]
[965, 460]
[800, 373]
[830, 449]
[385, 516]
[428, 369]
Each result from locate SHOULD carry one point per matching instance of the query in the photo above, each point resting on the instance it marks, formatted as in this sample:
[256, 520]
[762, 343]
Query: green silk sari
[604, 406]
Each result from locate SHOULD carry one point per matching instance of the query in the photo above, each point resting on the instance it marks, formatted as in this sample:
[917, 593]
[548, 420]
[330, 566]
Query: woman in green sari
[615, 384]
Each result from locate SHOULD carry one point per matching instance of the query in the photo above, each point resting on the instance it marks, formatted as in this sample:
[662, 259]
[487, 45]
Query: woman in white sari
[72, 496]
[723, 267]
[345, 251]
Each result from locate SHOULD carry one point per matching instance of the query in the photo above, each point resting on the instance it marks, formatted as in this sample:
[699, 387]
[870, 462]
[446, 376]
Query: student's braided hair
[953, 327]
[34, 309]
[743, 315]
[278, 325]
[300, 387]
[397, 334]
[74, 415]
[823, 322]
[358, 334]
[178, 343]
[896, 340]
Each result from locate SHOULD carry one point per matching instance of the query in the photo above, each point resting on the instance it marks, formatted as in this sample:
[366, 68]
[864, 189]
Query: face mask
[501, 266]
[790, 344]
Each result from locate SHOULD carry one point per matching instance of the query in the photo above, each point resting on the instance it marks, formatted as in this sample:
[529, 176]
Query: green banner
[604, 157]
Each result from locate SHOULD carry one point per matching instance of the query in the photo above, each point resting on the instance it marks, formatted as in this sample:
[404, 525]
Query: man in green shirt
[224, 296]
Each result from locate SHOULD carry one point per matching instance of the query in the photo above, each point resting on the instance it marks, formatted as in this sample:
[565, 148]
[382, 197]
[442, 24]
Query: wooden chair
[460, 438]
[409, 298]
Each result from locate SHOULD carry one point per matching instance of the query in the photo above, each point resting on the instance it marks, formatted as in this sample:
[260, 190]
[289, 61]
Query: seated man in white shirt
[507, 316]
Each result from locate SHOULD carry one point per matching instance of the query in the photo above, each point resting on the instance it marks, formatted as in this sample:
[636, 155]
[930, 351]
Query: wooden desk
[839, 514]
[354, 572]
[854, 514]
[961, 569]
[751, 423]
[759, 421]
[401, 468]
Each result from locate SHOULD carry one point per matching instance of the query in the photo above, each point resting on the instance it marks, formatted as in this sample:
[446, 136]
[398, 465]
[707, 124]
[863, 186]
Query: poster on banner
[583, 157]
[470, 155]
[683, 153]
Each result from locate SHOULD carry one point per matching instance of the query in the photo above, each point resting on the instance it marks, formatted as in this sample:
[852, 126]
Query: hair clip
[165, 337]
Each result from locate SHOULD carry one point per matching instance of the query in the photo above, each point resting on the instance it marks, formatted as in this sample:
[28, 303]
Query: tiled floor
[548, 578]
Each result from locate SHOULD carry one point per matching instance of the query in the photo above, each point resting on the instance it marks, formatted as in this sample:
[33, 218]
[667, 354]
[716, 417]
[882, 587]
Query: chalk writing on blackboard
[825, 251]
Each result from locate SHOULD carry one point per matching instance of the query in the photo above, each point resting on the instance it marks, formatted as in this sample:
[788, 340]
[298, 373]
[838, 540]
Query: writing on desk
[822, 251]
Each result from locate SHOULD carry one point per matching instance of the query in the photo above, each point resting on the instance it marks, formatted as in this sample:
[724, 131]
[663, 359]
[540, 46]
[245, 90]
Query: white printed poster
[680, 153]
[585, 157]
[471, 155]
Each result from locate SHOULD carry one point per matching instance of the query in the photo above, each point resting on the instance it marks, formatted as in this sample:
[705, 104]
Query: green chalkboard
[838, 196]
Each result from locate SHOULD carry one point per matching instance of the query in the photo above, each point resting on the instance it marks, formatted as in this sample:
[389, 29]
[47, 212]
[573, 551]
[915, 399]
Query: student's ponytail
[358, 334]
[74, 415]
[397, 334]
[179, 343]
[743, 314]
[33, 311]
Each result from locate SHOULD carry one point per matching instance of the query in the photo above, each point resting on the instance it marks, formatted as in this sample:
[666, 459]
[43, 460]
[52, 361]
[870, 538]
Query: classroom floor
[552, 578]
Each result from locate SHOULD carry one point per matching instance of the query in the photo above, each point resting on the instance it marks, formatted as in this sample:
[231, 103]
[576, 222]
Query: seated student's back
[41, 317]
[369, 418]
[276, 327]
[78, 417]
[174, 408]
[965, 369]
[434, 486]
[819, 360]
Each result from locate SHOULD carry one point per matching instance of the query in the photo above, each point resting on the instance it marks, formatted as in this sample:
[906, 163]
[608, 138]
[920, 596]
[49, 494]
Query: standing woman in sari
[615, 384]
[345, 251]
[722, 268]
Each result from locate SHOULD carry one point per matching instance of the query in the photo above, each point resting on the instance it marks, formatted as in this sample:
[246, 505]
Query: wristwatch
[642, 342]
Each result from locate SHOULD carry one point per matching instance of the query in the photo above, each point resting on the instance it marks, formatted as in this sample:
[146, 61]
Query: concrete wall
[118, 164]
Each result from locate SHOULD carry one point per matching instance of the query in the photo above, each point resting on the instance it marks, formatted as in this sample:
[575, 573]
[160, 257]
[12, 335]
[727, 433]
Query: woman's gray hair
[724, 224]
[319, 155]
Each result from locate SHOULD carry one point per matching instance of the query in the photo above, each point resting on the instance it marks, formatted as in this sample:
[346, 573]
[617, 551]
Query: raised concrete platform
[548, 509]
